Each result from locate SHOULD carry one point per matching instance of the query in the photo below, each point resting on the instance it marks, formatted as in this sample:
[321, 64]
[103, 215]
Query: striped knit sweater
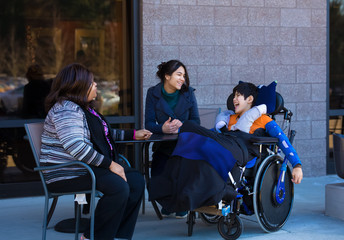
[65, 138]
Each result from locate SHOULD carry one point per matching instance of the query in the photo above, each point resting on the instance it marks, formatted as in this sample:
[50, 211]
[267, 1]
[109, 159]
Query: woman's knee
[113, 185]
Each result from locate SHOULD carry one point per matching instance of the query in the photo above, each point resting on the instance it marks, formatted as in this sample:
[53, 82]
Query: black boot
[229, 193]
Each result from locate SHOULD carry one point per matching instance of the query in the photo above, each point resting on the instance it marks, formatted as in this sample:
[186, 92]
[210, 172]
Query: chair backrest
[208, 116]
[338, 153]
[34, 132]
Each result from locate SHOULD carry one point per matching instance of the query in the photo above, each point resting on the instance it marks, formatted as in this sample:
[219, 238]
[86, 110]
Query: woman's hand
[171, 127]
[118, 169]
[177, 124]
[297, 175]
[142, 134]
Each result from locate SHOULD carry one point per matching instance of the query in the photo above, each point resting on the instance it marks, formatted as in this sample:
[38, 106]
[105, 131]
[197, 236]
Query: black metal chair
[334, 193]
[338, 153]
[34, 132]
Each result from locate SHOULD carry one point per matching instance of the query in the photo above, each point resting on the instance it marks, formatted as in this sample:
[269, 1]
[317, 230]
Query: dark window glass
[38, 38]
[336, 91]
[55, 33]
[336, 54]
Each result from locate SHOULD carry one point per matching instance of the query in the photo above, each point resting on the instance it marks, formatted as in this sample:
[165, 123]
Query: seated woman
[196, 175]
[74, 131]
[168, 105]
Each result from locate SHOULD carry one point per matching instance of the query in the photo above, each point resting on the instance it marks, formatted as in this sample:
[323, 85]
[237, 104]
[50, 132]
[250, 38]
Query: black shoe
[229, 193]
[166, 213]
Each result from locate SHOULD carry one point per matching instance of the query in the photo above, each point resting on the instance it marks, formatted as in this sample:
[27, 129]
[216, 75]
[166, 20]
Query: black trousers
[117, 211]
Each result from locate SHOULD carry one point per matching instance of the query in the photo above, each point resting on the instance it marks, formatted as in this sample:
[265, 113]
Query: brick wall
[224, 41]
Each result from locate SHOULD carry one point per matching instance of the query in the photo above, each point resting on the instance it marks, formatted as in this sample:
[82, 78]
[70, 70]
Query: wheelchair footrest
[226, 210]
[209, 210]
[213, 210]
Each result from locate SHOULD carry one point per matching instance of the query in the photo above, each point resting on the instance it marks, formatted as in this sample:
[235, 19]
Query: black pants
[116, 212]
[158, 163]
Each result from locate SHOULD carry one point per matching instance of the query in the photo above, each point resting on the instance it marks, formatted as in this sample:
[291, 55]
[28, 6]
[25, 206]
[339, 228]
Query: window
[336, 70]
[53, 34]
[49, 34]
[336, 54]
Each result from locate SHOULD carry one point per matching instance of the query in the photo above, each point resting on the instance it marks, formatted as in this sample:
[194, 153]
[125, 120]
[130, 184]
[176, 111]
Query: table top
[153, 138]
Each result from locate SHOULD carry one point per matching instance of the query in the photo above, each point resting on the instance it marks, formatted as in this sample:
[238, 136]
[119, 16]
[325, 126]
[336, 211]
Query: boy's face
[241, 104]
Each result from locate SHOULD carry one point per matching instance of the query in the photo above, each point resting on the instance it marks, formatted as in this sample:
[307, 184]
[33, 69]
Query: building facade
[259, 41]
[297, 43]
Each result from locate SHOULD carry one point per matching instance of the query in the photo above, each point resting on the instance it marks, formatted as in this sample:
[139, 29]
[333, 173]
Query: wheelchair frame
[269, 196]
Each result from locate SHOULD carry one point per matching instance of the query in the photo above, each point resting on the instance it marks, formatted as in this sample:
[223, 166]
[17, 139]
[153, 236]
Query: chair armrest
[121, 157]
[62, 165]
[263, 140]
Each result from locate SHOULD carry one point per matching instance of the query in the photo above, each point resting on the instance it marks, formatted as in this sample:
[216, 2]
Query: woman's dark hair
[246, 89]
[71, 83]
[34, 72]
[168, 68]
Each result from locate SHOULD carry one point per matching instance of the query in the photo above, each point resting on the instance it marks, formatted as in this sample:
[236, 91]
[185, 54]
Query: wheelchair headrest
[278, 107]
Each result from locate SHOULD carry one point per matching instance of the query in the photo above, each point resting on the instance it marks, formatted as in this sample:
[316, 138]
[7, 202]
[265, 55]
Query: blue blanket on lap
[194, 146]
[196, 174]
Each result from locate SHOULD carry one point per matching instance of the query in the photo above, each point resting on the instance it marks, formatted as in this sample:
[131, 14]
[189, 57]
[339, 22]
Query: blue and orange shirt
[259, 123]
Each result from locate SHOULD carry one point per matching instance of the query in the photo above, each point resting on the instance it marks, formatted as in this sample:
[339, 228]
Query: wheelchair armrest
[263, 140]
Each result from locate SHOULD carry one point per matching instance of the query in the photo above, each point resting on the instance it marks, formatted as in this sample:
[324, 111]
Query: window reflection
[336, 54]
[53, 34]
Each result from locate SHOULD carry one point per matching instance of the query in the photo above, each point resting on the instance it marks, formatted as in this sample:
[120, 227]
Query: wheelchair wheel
[190, 222]
[209, 219]
[230, 227]
[271, 215]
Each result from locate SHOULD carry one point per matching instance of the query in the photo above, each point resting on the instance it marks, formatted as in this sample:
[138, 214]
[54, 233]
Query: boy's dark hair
[247, 89]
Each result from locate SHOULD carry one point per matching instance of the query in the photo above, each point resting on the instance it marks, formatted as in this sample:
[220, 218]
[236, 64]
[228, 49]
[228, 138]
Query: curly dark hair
[168, 68]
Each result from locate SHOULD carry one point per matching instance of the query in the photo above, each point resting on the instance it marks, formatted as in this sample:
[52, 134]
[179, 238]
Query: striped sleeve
[72, 133]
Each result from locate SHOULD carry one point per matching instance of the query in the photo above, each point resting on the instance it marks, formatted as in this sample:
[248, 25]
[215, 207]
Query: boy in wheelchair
[197, 173]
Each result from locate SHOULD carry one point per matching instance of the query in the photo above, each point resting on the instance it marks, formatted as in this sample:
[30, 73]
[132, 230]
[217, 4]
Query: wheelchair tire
[209, 219]
[191, 220]
[231, 227]
[270, 215]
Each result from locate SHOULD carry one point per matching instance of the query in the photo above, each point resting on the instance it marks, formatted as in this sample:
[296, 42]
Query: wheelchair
[264, 188]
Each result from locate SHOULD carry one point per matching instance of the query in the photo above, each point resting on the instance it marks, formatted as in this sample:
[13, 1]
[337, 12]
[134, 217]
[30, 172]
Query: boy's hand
[220, 125]
[297, 175]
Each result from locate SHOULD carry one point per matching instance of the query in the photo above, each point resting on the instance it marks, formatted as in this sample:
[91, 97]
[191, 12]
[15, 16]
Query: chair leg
[52, 209]
[77, 220]
[143, 203]
[92, 210]
[45, 218]
[156, 209]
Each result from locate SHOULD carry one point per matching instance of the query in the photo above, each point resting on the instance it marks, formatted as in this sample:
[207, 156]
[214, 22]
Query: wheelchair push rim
[271, 215]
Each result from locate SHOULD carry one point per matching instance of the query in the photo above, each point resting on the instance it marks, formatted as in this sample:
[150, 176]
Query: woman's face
[175, 81]
[92, 92]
